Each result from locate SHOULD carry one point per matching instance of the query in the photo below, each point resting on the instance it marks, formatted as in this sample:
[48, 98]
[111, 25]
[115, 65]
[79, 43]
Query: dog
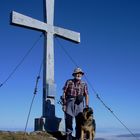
[88, 125]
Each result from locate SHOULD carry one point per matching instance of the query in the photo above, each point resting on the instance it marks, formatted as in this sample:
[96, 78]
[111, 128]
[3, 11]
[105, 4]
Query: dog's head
[87, 113]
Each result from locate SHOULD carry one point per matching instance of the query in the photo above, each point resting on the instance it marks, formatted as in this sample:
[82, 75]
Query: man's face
[78, 76]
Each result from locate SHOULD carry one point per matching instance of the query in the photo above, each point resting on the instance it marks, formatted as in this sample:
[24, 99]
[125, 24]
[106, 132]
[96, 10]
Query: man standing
[75, 90]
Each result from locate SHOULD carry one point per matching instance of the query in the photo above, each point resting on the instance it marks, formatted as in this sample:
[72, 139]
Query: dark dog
[88, 125]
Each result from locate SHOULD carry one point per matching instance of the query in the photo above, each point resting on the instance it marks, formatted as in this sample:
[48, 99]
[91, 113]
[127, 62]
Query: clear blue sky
[109, 54]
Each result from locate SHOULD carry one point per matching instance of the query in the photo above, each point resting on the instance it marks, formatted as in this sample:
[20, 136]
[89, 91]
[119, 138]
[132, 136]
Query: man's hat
[77, 70]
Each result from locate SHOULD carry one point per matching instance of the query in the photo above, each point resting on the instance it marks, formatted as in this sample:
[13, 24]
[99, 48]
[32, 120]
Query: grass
[8, 135]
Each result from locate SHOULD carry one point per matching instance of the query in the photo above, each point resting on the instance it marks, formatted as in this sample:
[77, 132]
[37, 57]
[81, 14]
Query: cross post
[49, 86]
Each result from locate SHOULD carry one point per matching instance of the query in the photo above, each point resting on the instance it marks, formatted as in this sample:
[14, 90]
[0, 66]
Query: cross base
[48, 124]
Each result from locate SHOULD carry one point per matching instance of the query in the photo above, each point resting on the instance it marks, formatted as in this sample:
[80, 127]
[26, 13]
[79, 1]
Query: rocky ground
[38, 135]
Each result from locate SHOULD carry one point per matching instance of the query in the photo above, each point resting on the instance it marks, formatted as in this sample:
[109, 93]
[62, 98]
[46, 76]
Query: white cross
[50, 30]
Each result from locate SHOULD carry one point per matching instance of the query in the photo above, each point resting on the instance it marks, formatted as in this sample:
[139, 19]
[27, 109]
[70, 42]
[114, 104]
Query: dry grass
[7, 135]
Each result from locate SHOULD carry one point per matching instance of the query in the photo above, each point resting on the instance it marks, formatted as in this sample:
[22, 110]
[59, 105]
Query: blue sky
[109, 54]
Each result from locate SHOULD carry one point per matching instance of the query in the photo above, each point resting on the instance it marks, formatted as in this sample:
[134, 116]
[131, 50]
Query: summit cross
[49, 86]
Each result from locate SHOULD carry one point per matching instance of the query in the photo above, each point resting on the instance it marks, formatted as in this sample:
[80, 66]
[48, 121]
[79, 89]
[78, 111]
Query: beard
[78, 78]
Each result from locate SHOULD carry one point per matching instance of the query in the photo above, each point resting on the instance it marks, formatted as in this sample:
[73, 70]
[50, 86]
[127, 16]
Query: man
[75, 90]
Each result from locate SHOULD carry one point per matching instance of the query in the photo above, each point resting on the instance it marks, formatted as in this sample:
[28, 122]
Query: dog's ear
[91, 110]
[85, 109]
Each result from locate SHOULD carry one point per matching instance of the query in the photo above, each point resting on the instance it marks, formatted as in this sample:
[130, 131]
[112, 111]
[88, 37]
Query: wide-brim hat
[77, 70]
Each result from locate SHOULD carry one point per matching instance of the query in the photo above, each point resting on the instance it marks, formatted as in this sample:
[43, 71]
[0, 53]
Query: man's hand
[64, 108]
[87, 106]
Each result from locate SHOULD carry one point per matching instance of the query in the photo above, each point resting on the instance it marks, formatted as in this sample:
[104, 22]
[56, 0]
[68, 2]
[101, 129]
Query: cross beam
[48, 69]
[28, 22]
